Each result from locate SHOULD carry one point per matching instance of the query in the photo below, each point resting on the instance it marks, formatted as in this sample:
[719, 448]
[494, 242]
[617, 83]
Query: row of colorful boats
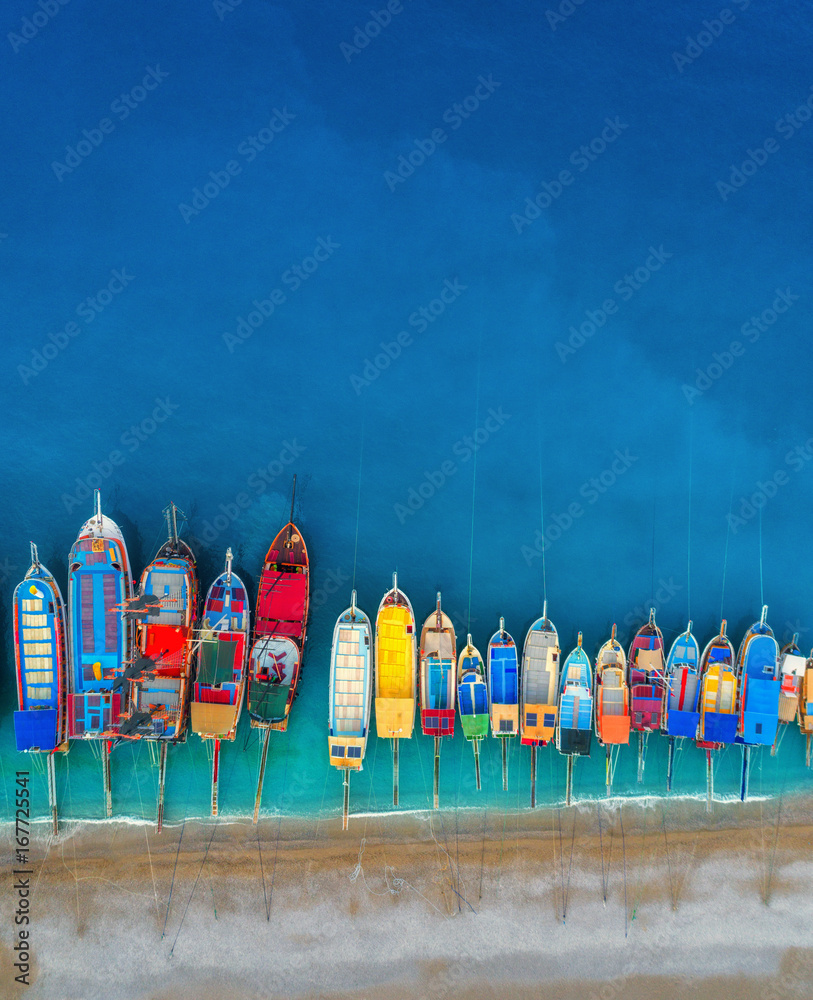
[127, 663]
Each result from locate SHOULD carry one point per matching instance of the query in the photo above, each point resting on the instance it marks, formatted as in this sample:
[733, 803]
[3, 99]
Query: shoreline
[692, 807]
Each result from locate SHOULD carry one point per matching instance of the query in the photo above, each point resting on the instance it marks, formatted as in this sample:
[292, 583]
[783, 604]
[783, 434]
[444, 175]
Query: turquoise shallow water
[502, 251]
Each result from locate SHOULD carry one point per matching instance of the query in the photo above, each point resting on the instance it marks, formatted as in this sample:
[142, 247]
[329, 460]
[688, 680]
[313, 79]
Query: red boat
[279, 629]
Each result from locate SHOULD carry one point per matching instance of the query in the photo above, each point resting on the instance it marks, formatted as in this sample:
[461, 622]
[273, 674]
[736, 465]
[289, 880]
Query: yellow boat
[395, 672]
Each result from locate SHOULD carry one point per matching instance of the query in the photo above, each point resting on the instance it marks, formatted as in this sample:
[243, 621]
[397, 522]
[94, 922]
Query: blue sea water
[453, 264]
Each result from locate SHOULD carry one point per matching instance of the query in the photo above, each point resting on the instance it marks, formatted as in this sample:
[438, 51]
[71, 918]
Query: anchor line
[474, 480]
[689, 532]
[727, 537]
[358, 504]
[200, 870]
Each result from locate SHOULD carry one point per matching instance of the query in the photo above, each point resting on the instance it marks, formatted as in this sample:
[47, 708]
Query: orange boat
[612, 704]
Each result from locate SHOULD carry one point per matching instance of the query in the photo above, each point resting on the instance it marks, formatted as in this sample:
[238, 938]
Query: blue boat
[502, 673]
[759, 687]
[39, 649]
[681, 715]
[574, 732]
[99, 582]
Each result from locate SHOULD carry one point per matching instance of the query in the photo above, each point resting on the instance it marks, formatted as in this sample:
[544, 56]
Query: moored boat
[612, 703]
[280, 631]
[758, 688]
[437, 678]
[574, 731]
[647, 684]
[217, 693]
[40, 723]
[681, 712]
[540, 682]
[349, 695]
[472, 699]
[718, 701]
[156, 684]
[99, 583]
[758, 684]
[395, 672]
[806, 707]
[502, 674]
[792, 666]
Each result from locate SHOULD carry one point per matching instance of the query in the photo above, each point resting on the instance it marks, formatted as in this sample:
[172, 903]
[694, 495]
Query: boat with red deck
[280, 631]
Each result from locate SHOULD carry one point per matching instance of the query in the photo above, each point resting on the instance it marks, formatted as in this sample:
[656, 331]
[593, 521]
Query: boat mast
[228, 565]
[97, 507]
[35, 559]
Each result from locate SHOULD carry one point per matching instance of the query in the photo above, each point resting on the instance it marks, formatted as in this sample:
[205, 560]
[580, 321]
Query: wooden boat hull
[437, 675]
[350, 688]
[681, 715]
[612, 702]
[217, 694]
[283, 601]
[472, 694]
[99, 582]
[40, 723]
[574, 732]
[395, 667]
[759, 686]
[502, 673]
[539, 698]
[718, 697]
[646, 678]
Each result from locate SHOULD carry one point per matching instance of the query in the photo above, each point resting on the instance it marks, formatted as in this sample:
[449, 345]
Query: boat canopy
[281, 603]
[473, 697]
[761, 713]
[615, 720]
[349, 697]
[209, 719]
[217, 658]
[503, 675]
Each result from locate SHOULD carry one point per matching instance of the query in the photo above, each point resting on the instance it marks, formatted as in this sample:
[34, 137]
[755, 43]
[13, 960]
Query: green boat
[472, 698]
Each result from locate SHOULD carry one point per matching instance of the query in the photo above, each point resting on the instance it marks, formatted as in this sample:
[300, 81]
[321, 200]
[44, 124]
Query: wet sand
[557, 903]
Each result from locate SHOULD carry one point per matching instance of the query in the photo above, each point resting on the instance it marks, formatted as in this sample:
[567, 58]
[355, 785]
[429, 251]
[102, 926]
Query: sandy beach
[550, 903]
